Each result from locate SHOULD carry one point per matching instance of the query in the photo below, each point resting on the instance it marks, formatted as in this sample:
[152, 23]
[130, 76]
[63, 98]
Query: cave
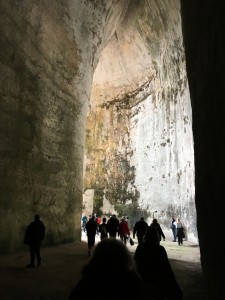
[122, 97]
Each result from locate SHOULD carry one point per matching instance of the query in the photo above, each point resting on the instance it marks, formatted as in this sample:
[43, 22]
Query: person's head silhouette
[151, 236]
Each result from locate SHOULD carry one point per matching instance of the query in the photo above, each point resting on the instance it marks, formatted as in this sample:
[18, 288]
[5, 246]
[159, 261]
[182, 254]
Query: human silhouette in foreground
[139, 229]
[157, 226]
[35, 234]
[113, 226]
[91, 229]
[154, 267]
[110, 271]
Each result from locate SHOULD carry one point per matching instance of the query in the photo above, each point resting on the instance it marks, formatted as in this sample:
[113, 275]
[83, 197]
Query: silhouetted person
[110, 271]
[91, 228]
[139, 229]
[180, 232]
[113, 226]
[34, 235]
[157, 226]
[174, 229]
[123, 231]
[103, 229]
[153, 265]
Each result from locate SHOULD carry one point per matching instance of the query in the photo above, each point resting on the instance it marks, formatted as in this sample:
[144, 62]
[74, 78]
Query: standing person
[157, 226]
[153, 265]
[123, 231]
[174, 229]
[34, 236]
[98, 222]
[91, 228]
[114, 255]
[113, 226]
[127, 219]
[84, 222]
[103, 229]
[139, 229]
[180, 232]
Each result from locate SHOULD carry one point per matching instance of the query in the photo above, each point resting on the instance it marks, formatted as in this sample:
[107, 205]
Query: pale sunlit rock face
[121, 64]
[139, 127]
[163, 160]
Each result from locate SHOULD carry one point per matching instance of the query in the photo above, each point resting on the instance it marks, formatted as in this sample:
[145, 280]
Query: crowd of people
[148, 272]
[113, 228]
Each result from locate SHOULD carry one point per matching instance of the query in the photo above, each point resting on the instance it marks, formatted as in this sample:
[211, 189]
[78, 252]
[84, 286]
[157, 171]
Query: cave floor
[61, 270]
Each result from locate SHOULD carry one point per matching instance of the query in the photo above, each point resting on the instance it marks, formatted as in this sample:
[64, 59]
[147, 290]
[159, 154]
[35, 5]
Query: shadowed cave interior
[115, 104]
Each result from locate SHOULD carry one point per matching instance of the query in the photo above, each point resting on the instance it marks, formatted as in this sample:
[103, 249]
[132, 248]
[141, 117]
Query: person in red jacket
[123, 232]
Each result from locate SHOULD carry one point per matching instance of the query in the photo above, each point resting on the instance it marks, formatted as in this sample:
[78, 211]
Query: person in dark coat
[34, 236]
[139, 229]
[153, 265]
[111, 265]
[113, 226]
[157, 226]
[91, 229]
[180, 232]
[103, 229]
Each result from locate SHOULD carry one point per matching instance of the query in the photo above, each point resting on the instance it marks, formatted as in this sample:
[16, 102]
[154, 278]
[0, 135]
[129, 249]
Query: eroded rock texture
[139, 130]
[138, 139]
[48, 55]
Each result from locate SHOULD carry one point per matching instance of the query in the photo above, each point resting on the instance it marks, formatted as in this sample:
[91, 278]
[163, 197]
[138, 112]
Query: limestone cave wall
[48, 52]
[139, 128]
